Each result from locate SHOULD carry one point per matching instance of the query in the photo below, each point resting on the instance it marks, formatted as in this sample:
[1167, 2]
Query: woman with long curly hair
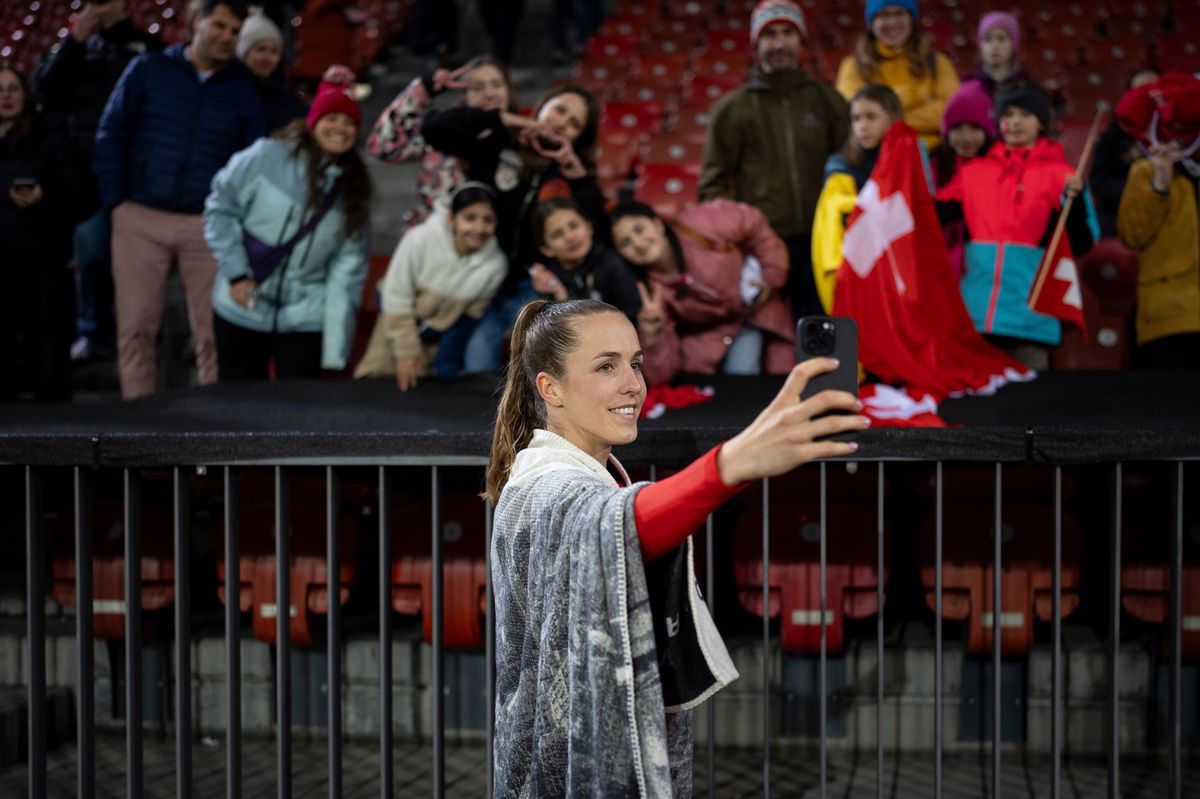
[287, 222]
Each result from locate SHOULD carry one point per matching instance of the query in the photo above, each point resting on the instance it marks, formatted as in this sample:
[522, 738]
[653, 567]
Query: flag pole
[1081, 169]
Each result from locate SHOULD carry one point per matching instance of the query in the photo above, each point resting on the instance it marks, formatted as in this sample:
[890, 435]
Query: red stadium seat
[668, 188]
[464, 587]
[691, 123]
[1110, 269]
[108, 555]
[1148, 508]
[1026, 566]
[671, 43]
[638, 120]
[612, 48]
[793, 577]
[308, 586]
[704, 90]
[1106, 343]
[730, 43]
[672, 150]
[662, 67]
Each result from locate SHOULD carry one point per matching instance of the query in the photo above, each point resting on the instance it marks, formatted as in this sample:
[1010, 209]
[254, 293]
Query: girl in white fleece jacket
[438, 284]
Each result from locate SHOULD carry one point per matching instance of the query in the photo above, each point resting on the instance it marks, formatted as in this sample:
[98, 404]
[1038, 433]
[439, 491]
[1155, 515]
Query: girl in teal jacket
[301, 315]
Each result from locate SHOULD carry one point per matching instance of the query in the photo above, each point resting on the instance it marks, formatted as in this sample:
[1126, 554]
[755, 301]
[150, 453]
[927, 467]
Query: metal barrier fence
[35, 538]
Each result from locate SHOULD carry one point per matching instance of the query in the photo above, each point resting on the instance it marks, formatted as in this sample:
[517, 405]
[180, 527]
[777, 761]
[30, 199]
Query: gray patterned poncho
[599, 659]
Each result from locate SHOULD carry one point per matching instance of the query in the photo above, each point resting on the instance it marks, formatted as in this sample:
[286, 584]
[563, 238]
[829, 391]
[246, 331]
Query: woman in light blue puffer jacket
[309, 189]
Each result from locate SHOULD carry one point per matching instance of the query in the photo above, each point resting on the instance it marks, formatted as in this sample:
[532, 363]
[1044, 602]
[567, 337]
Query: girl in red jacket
[710, 302]
[1010, 201]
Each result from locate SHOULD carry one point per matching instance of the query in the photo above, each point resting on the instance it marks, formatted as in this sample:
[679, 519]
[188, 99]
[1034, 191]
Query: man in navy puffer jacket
[172, 122]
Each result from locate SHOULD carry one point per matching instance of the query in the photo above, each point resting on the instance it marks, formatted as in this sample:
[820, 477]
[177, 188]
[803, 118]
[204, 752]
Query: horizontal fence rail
[383, 484]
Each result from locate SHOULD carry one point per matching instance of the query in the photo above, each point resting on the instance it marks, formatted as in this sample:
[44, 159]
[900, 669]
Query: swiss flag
[896, 282]
[1055, 290]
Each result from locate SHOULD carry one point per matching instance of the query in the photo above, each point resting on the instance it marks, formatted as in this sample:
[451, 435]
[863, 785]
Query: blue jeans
[93, 258]
[744, 356]
[486, 344]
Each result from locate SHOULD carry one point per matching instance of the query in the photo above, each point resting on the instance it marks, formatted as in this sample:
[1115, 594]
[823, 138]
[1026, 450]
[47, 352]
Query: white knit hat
[255, 29]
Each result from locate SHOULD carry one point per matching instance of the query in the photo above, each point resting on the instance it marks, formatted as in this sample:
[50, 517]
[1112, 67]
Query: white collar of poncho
[548, 451]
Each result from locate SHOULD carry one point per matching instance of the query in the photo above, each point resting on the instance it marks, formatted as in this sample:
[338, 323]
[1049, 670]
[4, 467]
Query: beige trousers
[145, 242]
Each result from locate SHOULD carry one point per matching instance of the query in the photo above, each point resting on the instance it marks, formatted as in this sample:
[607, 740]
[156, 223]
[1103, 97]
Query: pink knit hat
[771, 11]
[335, 95]
[1003, 20]
[972, 105]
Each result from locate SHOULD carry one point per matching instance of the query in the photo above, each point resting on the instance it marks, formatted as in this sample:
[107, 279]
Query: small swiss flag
[1056, 291]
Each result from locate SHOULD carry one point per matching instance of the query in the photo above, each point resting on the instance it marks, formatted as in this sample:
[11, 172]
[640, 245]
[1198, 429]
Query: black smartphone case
[845, 377]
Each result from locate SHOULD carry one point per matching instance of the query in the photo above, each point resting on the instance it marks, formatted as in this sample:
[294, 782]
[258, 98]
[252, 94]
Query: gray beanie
[255, 29]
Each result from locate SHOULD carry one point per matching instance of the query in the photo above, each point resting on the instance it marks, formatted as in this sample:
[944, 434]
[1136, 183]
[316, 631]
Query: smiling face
[214, 38]
[472, 227]
[779, 46]
[996, 49]
[263, 58]
[487, 88]
[12, 96]
[869, 123]
[335, 133]
[566, 114]
[1018, 127]
[566, 236]
[641, 240]
[595, 404]
[892, 26]
[966, 139]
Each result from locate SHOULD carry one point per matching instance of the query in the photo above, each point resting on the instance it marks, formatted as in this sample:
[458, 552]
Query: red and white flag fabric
[896, 282]
[1055, 290]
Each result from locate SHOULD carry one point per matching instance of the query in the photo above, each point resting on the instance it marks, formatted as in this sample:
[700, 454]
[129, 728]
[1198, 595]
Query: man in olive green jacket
[768, 141]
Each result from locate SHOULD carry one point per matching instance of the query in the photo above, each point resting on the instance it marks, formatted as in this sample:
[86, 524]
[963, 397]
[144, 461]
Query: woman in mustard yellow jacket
[1158, 217]
[893, 52]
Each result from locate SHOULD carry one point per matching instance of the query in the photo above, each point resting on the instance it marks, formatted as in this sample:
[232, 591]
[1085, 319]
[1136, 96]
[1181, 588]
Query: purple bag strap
[308, 227]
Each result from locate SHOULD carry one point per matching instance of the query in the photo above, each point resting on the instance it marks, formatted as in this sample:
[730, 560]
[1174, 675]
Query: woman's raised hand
[785, 434]
[544, 282]
[653, 314]
[450, 78]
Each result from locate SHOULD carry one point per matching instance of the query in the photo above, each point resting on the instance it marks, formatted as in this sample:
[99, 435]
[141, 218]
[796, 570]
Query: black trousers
[1181, 351]
[801, 287]
[247, 354]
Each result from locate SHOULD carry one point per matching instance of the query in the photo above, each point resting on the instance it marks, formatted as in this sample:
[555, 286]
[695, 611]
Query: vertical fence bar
[283, 632]
[385, 633]
[1174, 768]
[35, 612]
[879, 640]
[233, 650]
[1056, 649]
[937, 636]
[822, 677]
[85, 638]
[183, 638]
[766, 637]
[133, 633]
[439, 664]
[710, 587]
[1114, 664]
[333, 641]
[489, 647]
[997, 635]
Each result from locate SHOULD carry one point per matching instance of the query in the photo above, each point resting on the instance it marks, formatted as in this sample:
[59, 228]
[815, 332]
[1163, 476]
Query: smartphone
[829, 337]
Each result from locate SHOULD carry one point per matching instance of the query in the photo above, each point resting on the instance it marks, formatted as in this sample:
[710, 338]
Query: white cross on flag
[880, 224]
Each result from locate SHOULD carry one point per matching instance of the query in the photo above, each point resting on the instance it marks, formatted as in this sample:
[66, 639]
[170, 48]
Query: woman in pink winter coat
[710, 301]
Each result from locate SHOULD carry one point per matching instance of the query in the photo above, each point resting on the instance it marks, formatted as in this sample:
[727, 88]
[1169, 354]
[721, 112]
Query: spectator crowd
[224, 157]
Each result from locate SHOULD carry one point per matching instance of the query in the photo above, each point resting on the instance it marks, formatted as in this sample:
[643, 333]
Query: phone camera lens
[820, 337]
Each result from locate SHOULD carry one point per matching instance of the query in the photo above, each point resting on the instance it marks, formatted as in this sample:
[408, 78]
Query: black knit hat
[1028, 97]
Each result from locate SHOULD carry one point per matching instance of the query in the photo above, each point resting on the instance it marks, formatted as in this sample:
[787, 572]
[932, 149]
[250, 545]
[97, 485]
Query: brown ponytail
[541, 339]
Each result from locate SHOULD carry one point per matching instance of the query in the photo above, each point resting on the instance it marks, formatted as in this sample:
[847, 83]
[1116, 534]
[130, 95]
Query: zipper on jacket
[790, 133]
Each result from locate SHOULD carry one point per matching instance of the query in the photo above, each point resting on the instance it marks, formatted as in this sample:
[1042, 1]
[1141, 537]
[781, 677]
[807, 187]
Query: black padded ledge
[1063, 417]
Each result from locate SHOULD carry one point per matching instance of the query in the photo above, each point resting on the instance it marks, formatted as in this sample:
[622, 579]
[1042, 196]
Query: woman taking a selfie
[603, 644]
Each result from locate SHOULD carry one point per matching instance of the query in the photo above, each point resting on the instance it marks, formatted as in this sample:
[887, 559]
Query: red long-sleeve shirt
[668, 511]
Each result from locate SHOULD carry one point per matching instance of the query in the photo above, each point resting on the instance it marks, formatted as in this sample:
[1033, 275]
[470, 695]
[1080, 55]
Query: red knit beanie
[1172, 101]
[335, 95]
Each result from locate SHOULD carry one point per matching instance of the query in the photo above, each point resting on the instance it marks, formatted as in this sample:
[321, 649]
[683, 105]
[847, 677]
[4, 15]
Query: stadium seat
[668, 188]
[704, 90]
[672, 150]
[729, 43]
[108, 554]
[691, 123]
[639, 120]
[793, 576]
[309, 574]
[607, 49]
[1026, 566]
[464, 587]
[1148, 508]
